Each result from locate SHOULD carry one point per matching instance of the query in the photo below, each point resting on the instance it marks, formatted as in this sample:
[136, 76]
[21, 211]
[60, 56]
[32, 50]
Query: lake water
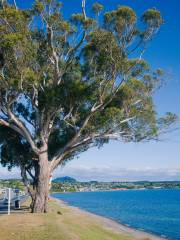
[154, 211]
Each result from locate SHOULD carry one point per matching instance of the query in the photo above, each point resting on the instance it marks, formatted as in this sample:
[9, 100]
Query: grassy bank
[61, 223]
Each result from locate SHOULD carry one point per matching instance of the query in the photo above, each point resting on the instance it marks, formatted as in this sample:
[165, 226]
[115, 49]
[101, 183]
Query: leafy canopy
[69, 84]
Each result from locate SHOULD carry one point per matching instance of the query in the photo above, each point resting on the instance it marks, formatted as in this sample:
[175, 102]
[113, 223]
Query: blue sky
[147, 161]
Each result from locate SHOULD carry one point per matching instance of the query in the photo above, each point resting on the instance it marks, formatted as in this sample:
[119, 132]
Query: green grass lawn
[61, 223]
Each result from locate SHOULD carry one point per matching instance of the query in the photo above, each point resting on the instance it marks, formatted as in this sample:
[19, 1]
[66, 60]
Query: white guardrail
[9, 197]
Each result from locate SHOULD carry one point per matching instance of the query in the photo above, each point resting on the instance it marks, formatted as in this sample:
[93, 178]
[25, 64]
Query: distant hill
[64, 180]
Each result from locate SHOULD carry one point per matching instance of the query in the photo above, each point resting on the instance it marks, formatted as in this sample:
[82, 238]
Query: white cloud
[118, 174]
[106, 173]
[5, 174]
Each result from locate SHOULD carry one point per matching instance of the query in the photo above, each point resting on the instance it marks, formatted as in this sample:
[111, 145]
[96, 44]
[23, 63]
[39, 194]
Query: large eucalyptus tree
[68, 85]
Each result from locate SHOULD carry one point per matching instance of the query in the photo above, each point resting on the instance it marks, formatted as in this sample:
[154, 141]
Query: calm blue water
[154, 211]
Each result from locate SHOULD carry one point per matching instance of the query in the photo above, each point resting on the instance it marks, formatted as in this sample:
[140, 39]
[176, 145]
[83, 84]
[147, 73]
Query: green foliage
[97, 8]
[14, 184]
[14, 152]
[120, 19]
[126, 14]
[78, 20]
[152, 17]
[38, 7]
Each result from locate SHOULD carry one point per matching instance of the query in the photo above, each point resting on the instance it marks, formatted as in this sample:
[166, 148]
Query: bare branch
[86, 141]
[15, 5]
[30, 173]
[74, 144]
[22, 129]
[55, 58]
[26, 181]
[73, 51]
[84, 8]
[71, 142]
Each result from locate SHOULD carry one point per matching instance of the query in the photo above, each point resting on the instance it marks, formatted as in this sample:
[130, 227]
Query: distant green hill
[64, 180]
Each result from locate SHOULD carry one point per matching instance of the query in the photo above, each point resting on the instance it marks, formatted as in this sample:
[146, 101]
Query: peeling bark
[40, 204]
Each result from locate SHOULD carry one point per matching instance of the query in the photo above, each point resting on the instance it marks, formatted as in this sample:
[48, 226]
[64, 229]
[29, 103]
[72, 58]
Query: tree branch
[22, 129]
[26, 182]
[54, 55]
[71, 53]
[89, 139]
[84, 8]
[15, 5]
[30, 174]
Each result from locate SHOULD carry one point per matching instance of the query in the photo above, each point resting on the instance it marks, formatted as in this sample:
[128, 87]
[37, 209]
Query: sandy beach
[110, 224]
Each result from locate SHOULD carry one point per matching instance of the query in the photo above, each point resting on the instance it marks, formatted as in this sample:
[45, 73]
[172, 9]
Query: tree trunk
[40, 204]
[27, 184]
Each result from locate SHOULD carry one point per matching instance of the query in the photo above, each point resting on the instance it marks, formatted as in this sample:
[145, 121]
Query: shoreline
[118, 190]
[112, 225]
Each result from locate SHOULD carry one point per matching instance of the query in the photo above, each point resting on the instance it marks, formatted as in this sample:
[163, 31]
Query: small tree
[68, 85]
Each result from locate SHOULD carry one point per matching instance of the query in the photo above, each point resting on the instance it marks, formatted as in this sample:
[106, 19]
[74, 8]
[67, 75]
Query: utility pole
[9, 201]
